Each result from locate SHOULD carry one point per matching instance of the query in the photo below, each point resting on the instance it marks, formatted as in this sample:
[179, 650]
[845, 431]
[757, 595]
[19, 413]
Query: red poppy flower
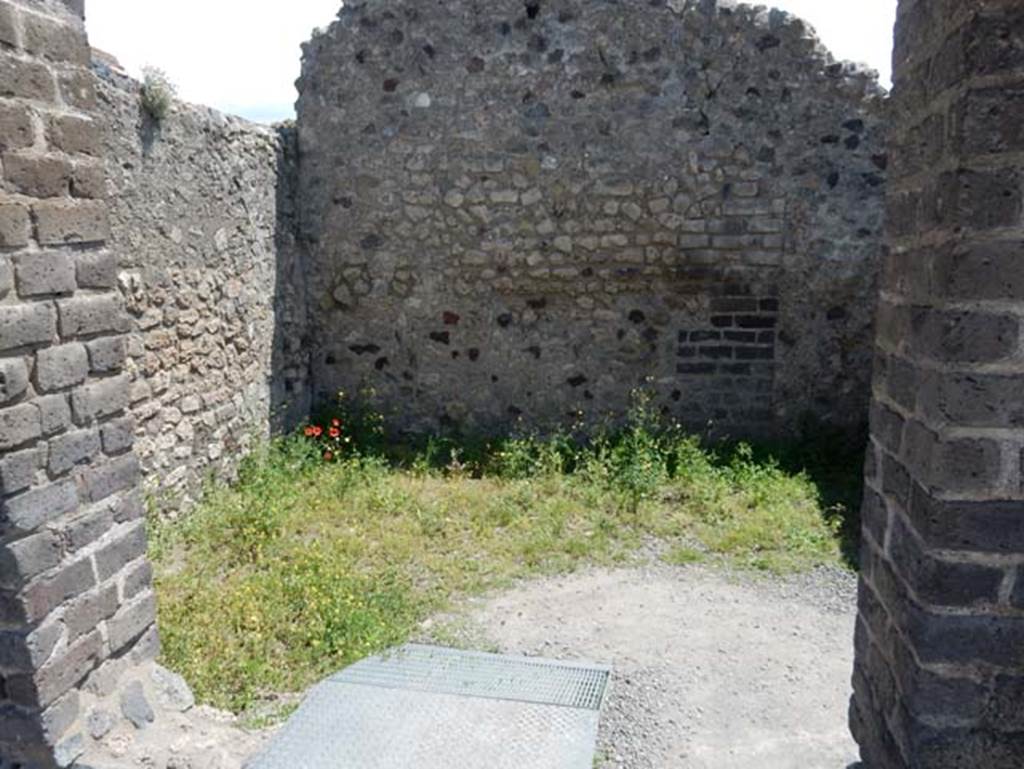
[318, 431]
[328, 456]
[309, 432]
[336, 422]
[334, 432]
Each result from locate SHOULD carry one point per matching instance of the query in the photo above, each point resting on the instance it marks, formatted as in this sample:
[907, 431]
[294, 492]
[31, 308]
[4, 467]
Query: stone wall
[524, 210]
[200, 212]
[939, 677]
[76, 604]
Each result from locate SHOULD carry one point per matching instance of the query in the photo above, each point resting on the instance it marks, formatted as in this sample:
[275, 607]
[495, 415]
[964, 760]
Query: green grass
[303, 567]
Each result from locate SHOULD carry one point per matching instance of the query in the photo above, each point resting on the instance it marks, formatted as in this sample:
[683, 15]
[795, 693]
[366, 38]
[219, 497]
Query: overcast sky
[242, 56]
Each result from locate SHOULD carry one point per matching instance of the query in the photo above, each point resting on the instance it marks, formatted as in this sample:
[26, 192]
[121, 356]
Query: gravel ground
[179, 736]
[713, 670]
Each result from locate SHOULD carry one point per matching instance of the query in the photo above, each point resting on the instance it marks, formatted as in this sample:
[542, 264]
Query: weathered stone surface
[103, 681]
[89, 180]
[90, 315]
[61, 367]
[171, 690]
[41, 176]
[8, 25]
[26, 558]
[87, 611]
[82, 530]
[54, 412]
[65, 670]
[72, 448]
[118, 474]
[78, 88]
[97, 269]
[61, 221]
[107, 355]
[121, 552]
[14, 225]
[60, 716]
[16, 131]
[13, 379]
[201, 222]
[18, 470]
[26, 80]
[17, 727]
[55, 40]
[147, 647]
[99, 723]
[138, 578]
[20, 651]
[697, 198]
[75, 135]
[484, 260]
[68, 749]
[53, 275]
[100, 399]
[135, 707]
[29, 510]
[19, 425]
[118, 435]
[938, 653]
[6, 276]
[129, 507]
[45, 273]
[131, 622]
[46, 594]
[26, 324]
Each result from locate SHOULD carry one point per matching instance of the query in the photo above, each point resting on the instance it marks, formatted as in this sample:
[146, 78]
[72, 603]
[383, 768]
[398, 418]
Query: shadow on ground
[833, 458]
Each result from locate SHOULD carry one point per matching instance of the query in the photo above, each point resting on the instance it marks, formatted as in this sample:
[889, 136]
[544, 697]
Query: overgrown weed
[306, 565]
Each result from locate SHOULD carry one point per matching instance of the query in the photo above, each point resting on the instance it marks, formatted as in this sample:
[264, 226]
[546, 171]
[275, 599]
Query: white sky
[242, 56]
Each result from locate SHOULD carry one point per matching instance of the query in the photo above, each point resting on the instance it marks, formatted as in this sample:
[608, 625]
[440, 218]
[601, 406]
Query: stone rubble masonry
[200, 217]
[75, 594]
[523, 211]
[939, 672]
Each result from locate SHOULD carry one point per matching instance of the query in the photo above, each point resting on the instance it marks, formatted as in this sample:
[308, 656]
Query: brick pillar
[939, 678]
[76, 607]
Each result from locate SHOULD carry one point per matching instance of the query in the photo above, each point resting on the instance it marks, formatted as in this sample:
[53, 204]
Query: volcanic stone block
[13, 379]
[60, 367]
[100, 399]
[31, 509]
[19, 425]
[26, 324]
[62, 221]
[91, 315]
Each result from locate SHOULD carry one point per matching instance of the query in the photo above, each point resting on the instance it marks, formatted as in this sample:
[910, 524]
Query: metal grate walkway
[429, 708]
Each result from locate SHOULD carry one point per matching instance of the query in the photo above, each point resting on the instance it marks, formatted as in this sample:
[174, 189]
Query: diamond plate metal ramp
[422, 707]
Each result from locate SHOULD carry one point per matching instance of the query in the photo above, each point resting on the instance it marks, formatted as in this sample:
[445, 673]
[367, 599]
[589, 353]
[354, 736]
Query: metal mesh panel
[472, 674]
[441, 709]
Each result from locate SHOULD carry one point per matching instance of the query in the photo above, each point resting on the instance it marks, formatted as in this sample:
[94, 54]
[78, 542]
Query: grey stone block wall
[76, 613]
[201, 218]
[522, 211]
[939, 678]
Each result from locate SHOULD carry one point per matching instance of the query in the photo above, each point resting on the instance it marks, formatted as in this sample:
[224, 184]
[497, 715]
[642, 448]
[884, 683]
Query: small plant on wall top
[157, 93]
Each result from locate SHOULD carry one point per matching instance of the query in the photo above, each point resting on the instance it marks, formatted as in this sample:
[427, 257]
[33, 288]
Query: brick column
[939, 678]
[76, 607]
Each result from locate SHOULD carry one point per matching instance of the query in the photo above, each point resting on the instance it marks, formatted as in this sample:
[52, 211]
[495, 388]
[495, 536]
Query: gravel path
[712, 670]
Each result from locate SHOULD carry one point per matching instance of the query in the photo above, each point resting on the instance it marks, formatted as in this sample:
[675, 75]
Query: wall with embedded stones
[526, 209]
[200, 212]
[939, 675]
[77, 609]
